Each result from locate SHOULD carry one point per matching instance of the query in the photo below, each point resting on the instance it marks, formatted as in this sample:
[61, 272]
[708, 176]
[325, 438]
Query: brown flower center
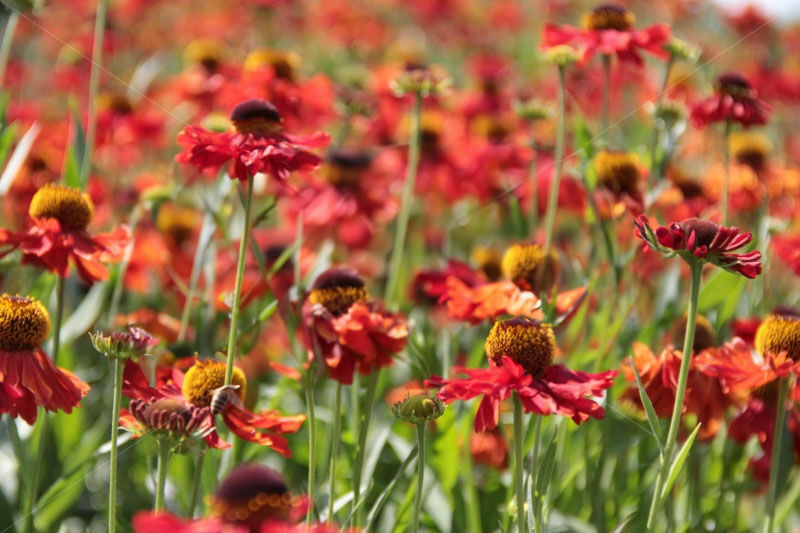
[779, 333]
[529, 267]
[489, 261]
[24, 323]
[256, 116]
[750, 148]
[608, 17]
[203, 52]
[704, 230]
[617, 171]
[204, 377]
[344, 168]
[284, 64]
[71, 207]
[251, 495]
[734, 84]
[337, 289]
[529, 343]
[704, 336]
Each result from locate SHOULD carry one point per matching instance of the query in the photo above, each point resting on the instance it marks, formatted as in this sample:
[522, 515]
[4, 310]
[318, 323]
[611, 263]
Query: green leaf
[71, 172]
[86, 314]
[722, 292]
[384, 496]
[652, 418]
[677, 464]
[445, 462]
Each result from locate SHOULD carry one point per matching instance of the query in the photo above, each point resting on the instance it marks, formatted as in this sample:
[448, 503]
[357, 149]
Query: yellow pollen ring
[24, 323]
[337, 300]
[204, 377]
[71, 207]
[617, 171]
[263, 506]
[608, 17]
[529, 343]
[527, 266]
[778, 334]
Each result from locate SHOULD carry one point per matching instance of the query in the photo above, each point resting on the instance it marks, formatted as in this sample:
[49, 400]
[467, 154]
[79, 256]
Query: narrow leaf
[652, 418]
[677, 464]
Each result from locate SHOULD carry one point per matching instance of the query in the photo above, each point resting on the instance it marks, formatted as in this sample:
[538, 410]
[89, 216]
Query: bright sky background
[783, 10]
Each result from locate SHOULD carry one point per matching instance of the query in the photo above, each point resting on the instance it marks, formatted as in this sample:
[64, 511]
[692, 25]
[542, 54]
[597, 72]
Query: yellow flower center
[70, 206]
[751, 148]
[529, 267]
[283, 63]
[617, 171]
[203, 52]
[608, 17]
[177, 221]
[529, 343]
[115, 102]
[204, 377]
[24, 323]
[778, 334]
[489, 261]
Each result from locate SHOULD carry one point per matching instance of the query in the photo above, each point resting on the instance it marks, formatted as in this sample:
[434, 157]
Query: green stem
[606, 94]
[420, 476]
[473, 501]
[337, 424]
[237, 290]
[112, 478]
[522, 523]
[312, 441]
[726, 162]
[94, 84]
[406, 201]
[197, 482]
[555, 184]
[5, 47]
[533, 172]
[372, 388]
[161, 473]
[43, 420]
[538, 500]
[654, 174]
[688, 341]
[775, 463]
[19, 452]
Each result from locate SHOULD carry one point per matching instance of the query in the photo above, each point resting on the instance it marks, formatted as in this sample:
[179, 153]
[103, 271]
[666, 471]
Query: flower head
[779, 334]
[28, 377]
[751, 148]
[258, 144]
[130, 344]
[530, 268]
[549, 389]
[734, 100]
[695, 238]
[60, 216]
[418, 408]
[337, 289]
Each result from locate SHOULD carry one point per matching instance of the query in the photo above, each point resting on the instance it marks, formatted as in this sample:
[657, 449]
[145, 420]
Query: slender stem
[5, 47]
[337, 424]
[654, 174]
[775, 463]
[94, 84]
[533, 177]
[420, 476]
[555, 184]
[238, 286]
[112, 478]
[538, 500]
[19, 452]
[522, 523]
[372, 388]
[312, 441]
[406, 201]
[473, 501]
[606, 94]
[675, 422]
[726, 162]
[161, 473]
[43, 420]
[197, 482]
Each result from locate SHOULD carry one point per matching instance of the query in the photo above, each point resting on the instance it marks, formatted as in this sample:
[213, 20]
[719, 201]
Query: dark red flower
[702, 239]
[608, 29]
[256, 145]
[735, 100]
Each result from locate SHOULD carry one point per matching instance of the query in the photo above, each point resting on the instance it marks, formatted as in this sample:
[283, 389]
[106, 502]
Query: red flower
[741, 368]
[489, 448]
[520, 352]
[196, 388]
[608, 30]
[28, 377]
[493, 300]
[256, 146]
[787, 248]
[60, 216]
[430, 286]
[348, 331]
[704, 240]
[735, 100]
